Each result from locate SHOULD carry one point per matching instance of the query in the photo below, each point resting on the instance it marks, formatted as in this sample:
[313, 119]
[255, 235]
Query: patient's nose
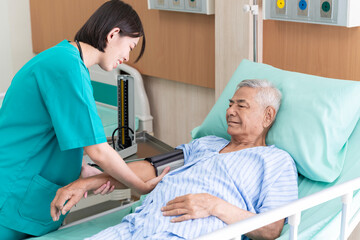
[230, 111]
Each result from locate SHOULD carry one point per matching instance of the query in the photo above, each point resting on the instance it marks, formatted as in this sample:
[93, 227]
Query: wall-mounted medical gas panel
[330, 12]
[191, 6]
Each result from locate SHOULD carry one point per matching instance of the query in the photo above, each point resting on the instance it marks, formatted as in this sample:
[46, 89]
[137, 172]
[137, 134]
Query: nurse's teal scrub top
[47, 116]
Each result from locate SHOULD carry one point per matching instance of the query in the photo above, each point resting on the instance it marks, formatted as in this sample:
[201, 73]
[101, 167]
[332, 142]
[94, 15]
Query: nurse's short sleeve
[71, 105]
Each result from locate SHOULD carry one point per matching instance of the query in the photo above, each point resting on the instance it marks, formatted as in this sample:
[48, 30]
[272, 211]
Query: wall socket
[193, 5]
[161, 4]
[303, 8]
[176, 4]
[326, 8]
[281, 7]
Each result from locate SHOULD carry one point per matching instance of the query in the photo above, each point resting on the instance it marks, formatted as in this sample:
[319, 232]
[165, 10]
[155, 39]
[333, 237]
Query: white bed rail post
[294, 221]
[346, 202]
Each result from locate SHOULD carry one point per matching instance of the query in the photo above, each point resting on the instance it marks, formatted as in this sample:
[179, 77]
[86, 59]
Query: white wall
[15, 41]
[177, 108]
[232, 40]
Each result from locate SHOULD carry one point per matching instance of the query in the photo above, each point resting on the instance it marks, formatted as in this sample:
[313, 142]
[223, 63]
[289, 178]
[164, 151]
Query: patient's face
[245, 115]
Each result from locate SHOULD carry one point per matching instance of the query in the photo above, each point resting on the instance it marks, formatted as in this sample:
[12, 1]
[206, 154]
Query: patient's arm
[231, 214]
[202, 205]
[143, 169]
[74, 191]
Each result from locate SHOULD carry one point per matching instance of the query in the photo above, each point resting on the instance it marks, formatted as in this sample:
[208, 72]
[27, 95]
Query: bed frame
[343, 191]
[293, 212]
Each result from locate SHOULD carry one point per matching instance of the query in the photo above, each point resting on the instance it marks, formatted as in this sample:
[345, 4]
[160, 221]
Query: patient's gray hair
[268, 94]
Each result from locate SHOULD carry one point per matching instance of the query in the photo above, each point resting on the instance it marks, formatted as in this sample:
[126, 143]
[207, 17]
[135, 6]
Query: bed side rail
[293, 212]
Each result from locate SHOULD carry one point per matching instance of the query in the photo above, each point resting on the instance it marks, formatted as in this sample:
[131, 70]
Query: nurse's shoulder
[59, 56]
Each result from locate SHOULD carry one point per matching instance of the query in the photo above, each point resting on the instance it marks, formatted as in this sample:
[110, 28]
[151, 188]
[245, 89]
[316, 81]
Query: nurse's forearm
[143, 169]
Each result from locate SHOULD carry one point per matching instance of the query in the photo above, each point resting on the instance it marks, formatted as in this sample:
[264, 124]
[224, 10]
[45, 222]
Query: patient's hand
[190, 206]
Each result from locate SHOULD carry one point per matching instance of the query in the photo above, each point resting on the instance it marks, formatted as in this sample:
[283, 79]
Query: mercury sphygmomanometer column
[126, 141]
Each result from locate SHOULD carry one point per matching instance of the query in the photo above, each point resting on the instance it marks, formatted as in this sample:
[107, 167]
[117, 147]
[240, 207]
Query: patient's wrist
[217, 208]
[225, 211]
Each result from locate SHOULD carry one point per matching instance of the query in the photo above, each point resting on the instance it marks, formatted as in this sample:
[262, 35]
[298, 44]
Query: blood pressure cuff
[174, 159]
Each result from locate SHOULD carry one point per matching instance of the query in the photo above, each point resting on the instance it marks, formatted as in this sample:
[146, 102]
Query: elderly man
[220, 183]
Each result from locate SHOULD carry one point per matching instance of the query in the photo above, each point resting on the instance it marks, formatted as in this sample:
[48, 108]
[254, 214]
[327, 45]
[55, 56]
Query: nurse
[48, 118]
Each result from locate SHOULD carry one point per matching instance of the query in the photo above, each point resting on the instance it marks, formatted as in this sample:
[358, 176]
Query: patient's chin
[232, 130]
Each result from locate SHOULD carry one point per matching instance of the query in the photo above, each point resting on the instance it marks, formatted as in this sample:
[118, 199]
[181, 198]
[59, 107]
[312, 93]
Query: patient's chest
[237, 177]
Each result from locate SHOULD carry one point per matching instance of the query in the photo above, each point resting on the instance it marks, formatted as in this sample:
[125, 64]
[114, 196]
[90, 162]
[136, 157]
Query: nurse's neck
[89, 53]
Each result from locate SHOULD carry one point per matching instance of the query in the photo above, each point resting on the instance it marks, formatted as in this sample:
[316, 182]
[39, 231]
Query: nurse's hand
[151, 184]
[71, 193]
[88, 171]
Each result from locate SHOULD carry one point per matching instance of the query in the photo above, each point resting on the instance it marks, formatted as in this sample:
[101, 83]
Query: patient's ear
[269, 116]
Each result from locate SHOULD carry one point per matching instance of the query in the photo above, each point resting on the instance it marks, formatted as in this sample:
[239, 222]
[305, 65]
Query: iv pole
[255, 32]
[254, 9]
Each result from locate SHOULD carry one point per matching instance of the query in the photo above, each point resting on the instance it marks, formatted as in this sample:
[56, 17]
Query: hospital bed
[329, 200]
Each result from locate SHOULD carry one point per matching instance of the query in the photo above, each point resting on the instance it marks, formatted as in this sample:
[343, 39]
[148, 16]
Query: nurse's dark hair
[111, 14]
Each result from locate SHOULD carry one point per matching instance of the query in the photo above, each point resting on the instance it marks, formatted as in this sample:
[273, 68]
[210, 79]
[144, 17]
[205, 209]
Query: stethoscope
[80, 50]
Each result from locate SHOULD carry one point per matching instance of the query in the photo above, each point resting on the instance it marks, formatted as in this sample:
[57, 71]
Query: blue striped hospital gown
[254, 179]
